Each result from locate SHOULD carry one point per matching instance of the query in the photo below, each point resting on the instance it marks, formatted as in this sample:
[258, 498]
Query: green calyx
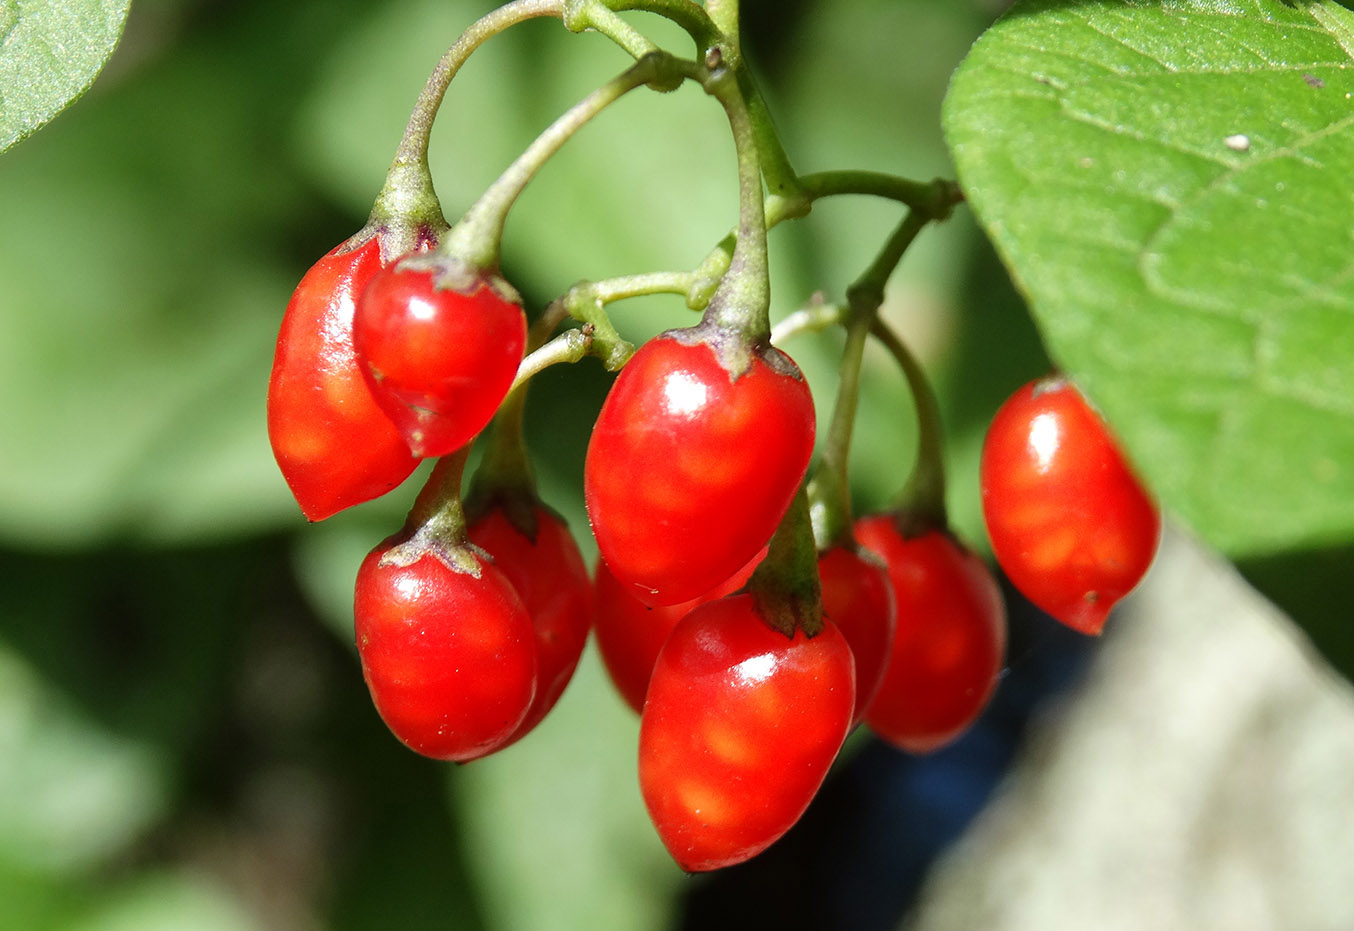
[436, 525]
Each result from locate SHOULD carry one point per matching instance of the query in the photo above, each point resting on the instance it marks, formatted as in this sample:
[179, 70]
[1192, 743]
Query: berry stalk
[830, 489]
[436, 523]
[741, 303]
[786, 585]
[921, 503]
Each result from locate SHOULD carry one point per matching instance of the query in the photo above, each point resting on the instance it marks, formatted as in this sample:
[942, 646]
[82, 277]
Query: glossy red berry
[858, 598]
[449, 657]
[439, 359]
[1070, 524]
[950, 641]
[334, 445]
[690, 469]
[552, 580]
[630, 633]
[739, 729]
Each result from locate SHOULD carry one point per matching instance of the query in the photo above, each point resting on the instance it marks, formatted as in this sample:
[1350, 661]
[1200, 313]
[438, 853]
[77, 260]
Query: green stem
[570, 346]
[690, 16]
[436, 524]
[408, 190]
[920, 505]
[815, 318]
[724, 15]
[831, 488]
[933, 199]
[437, 509]
[786, 583]
[782, 182]
[580, 15]
[475, 239]
[742, 301]
[505, 480]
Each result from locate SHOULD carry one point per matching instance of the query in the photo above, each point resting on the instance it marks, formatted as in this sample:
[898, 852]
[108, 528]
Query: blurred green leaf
[50, 53]
[71, 793]
[561, 837]
[167, 901]
[1167, 182]
[143, 287]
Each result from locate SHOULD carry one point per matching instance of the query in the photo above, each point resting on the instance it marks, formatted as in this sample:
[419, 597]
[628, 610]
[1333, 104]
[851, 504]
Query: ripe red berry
[334, 445]
[449, 656]
[690, 469]
[551, 578]
[1070, 524]
[439, 348]
[630, 633]
[950, 641]
[739, 729]
[858, 598]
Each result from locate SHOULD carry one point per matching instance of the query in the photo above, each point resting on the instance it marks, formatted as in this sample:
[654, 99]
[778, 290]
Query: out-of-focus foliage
[185, 739]
[49, 55]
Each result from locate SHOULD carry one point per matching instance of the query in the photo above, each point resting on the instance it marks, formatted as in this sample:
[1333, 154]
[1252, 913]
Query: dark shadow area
[283, 780]
[998, 347]
[1315, 588]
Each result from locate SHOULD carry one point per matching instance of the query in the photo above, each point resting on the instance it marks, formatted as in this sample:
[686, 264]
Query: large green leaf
[1168, 183]
[50, 52]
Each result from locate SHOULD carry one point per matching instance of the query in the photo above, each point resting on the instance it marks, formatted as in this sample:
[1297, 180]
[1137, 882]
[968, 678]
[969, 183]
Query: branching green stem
[921, 503]
[830, 490]
[935, 200]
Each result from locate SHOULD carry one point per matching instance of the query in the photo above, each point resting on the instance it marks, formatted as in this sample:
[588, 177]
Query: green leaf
[50, 53]
[1168, 183]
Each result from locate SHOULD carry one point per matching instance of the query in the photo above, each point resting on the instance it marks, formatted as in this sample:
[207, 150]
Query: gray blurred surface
[1202, 779]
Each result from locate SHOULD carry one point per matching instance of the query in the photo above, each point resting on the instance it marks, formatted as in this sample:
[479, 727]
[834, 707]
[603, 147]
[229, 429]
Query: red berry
[334, 445]
[950, 642]
[630, 633]
[551, 578]
[858, 598]
[739, 729]
[439, 359]
[1070, 523]
[690, 469]
[449, 656]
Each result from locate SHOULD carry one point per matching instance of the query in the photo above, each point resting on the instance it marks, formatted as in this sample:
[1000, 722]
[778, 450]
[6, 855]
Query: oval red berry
[449, 658]
[950, 641]
[333, 443]
[438, 361]
[858, 598]
[739, 729]
[552, 580]
[690, 469]
[630, 633]
[1070, 523]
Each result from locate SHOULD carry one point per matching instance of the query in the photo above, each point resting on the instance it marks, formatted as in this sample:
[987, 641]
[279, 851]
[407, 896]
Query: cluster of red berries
[470, 622]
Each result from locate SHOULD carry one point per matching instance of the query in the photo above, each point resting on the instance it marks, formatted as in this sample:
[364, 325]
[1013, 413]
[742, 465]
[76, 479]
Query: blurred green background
[185, 739]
